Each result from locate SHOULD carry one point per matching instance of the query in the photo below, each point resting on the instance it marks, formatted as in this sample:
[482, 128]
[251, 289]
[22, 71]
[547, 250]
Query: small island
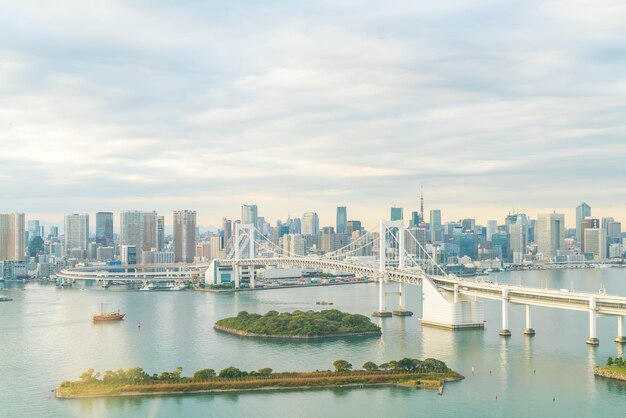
[299, 325]
[422, 374]
[614, 369]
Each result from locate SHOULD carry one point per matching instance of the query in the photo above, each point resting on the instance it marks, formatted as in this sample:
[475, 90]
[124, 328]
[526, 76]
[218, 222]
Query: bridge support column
[529, 329]
[505, 331]
[620, 330]
[593, 339]
[252, 282]
[401, 311]
[382, 309]
[236, 275]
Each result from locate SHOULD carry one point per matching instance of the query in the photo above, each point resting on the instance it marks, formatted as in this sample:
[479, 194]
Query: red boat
[108, 316]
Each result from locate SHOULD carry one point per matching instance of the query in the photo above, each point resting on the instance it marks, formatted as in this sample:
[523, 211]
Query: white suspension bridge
[448, 301]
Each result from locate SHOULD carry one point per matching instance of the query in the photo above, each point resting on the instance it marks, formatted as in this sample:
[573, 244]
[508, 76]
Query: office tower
[587, 223]
[595, 242]
[492, 228]
[342, 219]
[105, 253]
[468, 224]
[76, 232]
[150, 234]
[184, 235]
[54, 231]
[396, 214]
[249, 215]
[227, 228]
[352, 227]
[468, 245]
[310, 223]
[500, 240]
[34, 230]
[415, 219]
[550, 234]
[297, 225]
[518, 239]
[92, 251]
[435, 226]
[328, 239]
[128, 254]
[161, 233]
[582, 211]
[104, 228]
[12, 229]
[293, 245]
[131, 228]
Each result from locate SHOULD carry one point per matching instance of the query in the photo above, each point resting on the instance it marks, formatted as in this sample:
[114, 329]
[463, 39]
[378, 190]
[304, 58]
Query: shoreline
[410, 383]
[610, 373]
[240, 333]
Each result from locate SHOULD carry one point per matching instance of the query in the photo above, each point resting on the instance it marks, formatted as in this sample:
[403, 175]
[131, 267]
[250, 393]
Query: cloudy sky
[298, 106]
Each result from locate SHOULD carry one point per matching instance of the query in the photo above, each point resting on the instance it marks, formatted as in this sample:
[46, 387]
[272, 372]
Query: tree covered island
[614, 369]
[427, 374]
[299, 324]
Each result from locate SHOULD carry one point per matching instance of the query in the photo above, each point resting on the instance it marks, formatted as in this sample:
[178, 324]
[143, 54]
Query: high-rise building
[140, 229]
[328, 239]
[415, 219]
[150, 234]
[76, 232]
[161, 233]
[184, 235]
[54, 231]
[12, 236]
[492, 228]
[342, 219]
[293, 244]
[129, 254]
[550, 233]
[104, 228]
[227, 228]
[582, 211]
[396, 214]
[595, 242]
[34, 230]
[310, 223]
[587, 223]
[518, 237]
[249, 215]
[436, 231]
[353, 226]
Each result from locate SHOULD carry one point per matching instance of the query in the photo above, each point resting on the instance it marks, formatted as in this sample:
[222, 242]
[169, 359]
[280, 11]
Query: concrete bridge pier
[620, 330]
[593, 339]
[529, 329]
[505, 331]
[401, 311]
[236, 275]
[252, 282]
[382, 309]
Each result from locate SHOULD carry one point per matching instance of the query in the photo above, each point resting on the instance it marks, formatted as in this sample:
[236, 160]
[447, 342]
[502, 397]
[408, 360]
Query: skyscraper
[518, 237]
[342, 219]
[249, 215]
[161, 233]
[582, 211]
[12, 236]
[104, 228]
[76, 232]
[587, 223]
[415, 219]
[227, 227]
[184, 236]
[492, 228]
[550, 234]
[310, 223]
[435, 226]
[34, 230]
[396, 214]
[140, 229]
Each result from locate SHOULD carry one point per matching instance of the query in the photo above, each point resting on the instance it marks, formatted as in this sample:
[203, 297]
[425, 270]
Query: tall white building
[492, 228]
[550, 233]
[76, 231]
[141, 229]
[310, 224]
[12, 236]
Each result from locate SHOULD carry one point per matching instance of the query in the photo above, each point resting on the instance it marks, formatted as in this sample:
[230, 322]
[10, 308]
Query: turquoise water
[46, 336]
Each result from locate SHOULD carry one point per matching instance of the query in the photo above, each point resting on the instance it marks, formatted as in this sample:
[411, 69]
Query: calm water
[46, 336]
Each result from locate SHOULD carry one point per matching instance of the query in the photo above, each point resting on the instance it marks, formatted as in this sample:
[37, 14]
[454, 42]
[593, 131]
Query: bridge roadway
[579, 301]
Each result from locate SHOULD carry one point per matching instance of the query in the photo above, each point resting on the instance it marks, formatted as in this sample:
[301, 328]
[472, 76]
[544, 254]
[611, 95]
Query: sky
[491, 105]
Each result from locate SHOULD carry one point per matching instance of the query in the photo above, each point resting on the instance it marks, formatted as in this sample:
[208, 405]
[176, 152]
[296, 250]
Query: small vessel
[5, 299]
[323, 302]
[107, 316]
[148, 286]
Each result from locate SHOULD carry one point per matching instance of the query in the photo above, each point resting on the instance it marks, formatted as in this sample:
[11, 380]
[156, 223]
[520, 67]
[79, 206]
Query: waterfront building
[342, 219]
[595, 242]
[396, 214]
[128, 254]
[249, 215]
[76, 231]
[582, 211]
[310, 223]
[155, 256]
[436, 231]
[105, 253]
[616, 250]
[500, 241]
[161, 233]
[104, 228]
[587, 223]
[12, 246]
[550, 234]
[518, 237]
[184, 235]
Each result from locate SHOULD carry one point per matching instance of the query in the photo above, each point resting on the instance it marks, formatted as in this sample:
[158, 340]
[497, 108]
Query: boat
[5, 299]
[323, 302]
[107, 316]
[148, 286]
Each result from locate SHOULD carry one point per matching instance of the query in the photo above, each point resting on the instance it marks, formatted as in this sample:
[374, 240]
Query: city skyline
[359, 110]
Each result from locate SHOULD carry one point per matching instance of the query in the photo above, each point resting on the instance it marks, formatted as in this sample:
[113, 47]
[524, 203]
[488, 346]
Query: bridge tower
[245, 235]
[393, 229]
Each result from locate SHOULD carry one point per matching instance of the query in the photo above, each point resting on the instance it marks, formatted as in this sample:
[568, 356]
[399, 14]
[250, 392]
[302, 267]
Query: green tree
[609, 361]
[370, 365]
[176, 375]
[87, 376]
[231, 373]
[204, 374]
[384, 366]
[265, 371]
[342, 366]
